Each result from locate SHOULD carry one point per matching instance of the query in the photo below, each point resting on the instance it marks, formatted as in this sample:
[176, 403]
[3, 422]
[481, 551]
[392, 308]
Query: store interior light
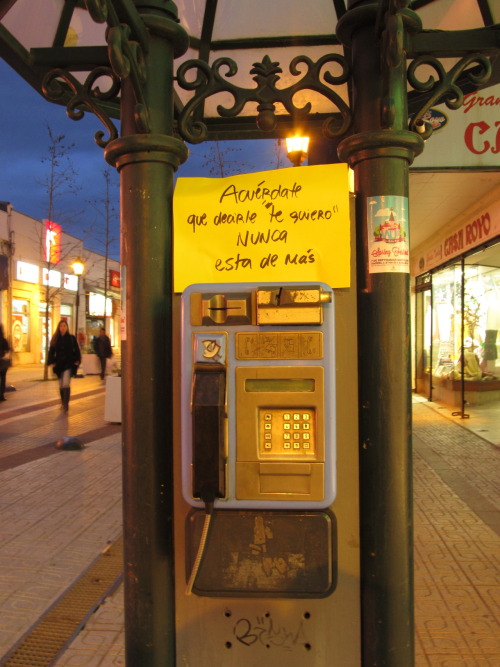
[297, 148]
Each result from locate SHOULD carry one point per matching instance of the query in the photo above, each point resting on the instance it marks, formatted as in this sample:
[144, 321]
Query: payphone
[258, 396]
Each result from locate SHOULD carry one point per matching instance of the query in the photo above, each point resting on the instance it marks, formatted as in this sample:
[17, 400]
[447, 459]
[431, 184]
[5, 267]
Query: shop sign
[51, 278]
[26, 272]
[479, 230]
[70, 282]
[466, 137]
[53, 233]
[114, 279]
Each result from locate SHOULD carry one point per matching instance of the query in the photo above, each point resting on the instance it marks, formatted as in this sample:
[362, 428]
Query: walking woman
[64, 357]
[4, 362]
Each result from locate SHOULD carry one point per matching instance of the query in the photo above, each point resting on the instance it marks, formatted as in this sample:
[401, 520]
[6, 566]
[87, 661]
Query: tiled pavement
[58, 512]
[457, 543]
[58, 508]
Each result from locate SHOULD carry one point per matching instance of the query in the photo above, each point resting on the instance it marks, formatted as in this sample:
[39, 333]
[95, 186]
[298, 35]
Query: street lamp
[296, 149]
[78, 267]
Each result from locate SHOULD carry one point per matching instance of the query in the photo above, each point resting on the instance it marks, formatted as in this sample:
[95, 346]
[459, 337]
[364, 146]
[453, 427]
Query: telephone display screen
[279, 384]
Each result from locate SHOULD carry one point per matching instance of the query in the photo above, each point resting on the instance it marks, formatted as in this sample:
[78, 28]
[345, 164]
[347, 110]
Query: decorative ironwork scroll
[86, 95]
[126, 57]
[127, 60]
[444, 89]
[392, 19]
[210, 80]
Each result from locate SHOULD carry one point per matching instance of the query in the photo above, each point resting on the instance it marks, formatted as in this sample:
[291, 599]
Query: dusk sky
[24, 117]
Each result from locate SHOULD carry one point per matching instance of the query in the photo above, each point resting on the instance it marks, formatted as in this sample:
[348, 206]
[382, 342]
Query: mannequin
[472, 369]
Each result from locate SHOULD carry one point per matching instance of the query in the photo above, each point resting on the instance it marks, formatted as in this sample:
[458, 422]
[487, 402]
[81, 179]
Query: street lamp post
[78, 267]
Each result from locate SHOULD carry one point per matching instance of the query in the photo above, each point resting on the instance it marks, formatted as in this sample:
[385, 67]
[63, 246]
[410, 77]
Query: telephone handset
[209, 386]
[258, 396]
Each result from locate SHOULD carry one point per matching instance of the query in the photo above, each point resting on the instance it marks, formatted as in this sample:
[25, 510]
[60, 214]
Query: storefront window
[20, 325]
[96, 303]
[457, 323]
[479, 328]
[482, 320]
[423, 316]
[446, 320]
[92, 329]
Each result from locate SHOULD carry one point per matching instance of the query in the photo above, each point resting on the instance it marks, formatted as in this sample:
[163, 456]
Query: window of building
[20, 325]
[457, 320]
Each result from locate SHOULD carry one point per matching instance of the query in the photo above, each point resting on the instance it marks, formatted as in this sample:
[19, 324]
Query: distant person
[64, 357]
[102, 347]
[4, 362]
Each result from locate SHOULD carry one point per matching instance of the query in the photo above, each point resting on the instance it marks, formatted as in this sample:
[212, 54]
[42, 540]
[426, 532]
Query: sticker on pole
[388, 240]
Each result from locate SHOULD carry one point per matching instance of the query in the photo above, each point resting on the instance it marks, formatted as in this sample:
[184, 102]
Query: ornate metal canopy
[240, 64]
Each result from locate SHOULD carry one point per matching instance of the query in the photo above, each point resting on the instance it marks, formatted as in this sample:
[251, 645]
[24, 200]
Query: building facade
[39, 287]
[456, 269]
[457, 309]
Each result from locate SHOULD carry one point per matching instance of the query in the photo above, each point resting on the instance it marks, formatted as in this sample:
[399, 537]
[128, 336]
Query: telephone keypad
[287, 432]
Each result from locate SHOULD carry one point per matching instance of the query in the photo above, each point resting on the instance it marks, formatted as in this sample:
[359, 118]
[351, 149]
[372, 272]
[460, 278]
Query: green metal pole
[146, 163]
[380, 152]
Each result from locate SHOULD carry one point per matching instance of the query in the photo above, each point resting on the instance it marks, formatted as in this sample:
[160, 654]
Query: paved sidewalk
[59, 512]
[457, 543]
[31, 389]
[457, 552]
[59, 509]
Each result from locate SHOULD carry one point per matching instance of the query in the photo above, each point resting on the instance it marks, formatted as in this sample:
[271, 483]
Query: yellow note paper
[285, 225]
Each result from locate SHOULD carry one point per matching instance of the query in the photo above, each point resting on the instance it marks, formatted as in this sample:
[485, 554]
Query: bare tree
[279, 155]
[220, 164]
[60, 182]
[104, 237]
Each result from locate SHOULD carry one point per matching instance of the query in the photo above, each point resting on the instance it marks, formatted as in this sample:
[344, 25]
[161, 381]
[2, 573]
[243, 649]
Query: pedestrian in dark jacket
[64, 357]
[4, 362]
[102, 347]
